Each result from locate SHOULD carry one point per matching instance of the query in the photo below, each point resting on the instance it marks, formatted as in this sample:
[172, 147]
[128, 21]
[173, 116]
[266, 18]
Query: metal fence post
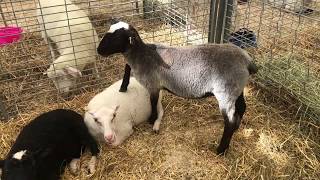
[212, 20]
[147, 8]
[220, 19]
[227, 19]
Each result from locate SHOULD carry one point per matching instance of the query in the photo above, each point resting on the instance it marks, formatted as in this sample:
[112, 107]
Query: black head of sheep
[120, 37]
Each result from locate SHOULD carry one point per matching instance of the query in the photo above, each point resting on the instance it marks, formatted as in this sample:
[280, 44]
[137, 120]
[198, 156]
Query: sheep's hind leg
[154, 97]
[232, 110]
[125, 79]
[240, 109]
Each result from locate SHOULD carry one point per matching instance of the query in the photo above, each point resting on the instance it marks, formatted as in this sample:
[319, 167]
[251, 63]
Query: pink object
[9, 35]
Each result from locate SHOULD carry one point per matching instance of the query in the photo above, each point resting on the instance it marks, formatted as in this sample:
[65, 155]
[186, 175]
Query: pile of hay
[270, 143]
[293, 76]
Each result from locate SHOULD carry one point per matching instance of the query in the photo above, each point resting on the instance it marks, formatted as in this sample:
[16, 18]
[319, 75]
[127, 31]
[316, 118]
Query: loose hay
[276, 146]
[287, 53]
[291, 72]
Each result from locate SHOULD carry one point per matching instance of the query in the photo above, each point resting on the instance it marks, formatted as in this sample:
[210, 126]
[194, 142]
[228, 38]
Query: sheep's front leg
[240, 109]
[74, 166]
[92, 164]
[156, 125]
[126, 79]
[154, 97]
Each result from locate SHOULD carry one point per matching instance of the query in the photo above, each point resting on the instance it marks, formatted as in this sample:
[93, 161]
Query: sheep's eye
[113, 117]
[96, 120]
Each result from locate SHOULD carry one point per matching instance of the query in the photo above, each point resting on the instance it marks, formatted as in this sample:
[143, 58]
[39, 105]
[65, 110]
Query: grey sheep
[196, 71]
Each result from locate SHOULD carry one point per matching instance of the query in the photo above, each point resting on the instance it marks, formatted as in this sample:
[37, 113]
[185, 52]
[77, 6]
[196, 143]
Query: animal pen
[285, 44]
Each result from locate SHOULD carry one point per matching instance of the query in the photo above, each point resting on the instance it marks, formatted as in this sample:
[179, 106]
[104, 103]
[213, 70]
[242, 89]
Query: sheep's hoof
[74, 166]
[123, 89]
[92, 165]
[221, 151]
[156, 131]
[156, 126]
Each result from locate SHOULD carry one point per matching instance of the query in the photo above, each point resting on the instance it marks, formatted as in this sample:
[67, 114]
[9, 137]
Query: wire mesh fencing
[283, 37]
[58, 39]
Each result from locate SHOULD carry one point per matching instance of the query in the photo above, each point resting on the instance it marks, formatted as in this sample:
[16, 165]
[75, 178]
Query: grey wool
[198, 71]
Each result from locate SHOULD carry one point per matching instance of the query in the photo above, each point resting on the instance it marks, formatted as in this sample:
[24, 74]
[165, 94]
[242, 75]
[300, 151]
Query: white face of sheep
[63, 79]
[103, 121]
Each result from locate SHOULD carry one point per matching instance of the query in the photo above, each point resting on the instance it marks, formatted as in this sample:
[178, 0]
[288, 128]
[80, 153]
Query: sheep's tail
[252, 67]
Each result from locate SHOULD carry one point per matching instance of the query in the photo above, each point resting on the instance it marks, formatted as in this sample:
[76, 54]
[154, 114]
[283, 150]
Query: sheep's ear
[132, 35]
[1, 163]
[114, 21]
[1, 167]
[41, 153]
[45, 153]
[74, 72]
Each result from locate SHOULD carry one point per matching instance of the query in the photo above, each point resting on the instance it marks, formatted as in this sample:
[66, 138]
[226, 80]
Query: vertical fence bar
[137, 6]
[2, 15]
[3, 113]
[212, 20]
[227, 18]
[147, 8]
[219, 21]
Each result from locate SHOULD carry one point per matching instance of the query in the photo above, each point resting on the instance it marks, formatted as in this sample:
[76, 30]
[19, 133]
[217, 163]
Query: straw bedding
[270, 144]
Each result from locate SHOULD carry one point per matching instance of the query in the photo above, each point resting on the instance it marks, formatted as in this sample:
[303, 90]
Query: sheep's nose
[109, 137]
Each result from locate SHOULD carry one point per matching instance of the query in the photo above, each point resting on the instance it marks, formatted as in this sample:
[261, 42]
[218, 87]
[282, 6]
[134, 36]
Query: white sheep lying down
[69, 27]
[111, 115]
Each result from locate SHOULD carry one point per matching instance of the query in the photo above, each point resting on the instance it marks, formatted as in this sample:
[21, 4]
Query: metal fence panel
[286, 35]
[23, 84]
[283, 38]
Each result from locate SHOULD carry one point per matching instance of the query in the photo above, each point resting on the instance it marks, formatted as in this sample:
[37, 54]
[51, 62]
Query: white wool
[92, 164]
[74, 166]
[71, 30]
[117, 26]
[19, 155]
[134, 108]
